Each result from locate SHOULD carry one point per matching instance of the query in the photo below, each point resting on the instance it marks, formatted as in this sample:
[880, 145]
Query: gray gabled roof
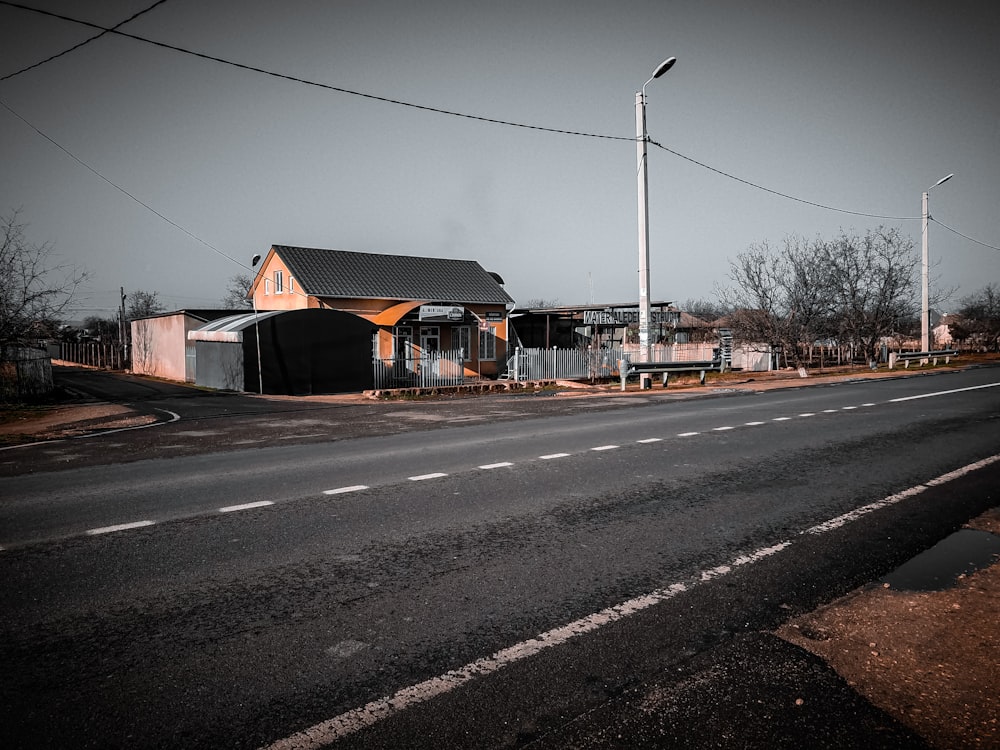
[345, 274]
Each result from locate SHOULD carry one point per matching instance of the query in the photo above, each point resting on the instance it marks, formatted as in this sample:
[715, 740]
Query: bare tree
[142, 304]
[236, 292]
[707, 310]
[778, 297]
[872, 285]
[981, 313]
[853, 289]
[34, 288]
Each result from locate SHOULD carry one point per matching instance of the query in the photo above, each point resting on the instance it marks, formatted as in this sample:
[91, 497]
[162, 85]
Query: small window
[279, 282]
[291, 284]
[267, 286]
[488, 343]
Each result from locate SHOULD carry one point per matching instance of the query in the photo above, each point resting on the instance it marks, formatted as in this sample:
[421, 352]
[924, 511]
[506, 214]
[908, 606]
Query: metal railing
[419, 369]
[110, 356]
[593, 364]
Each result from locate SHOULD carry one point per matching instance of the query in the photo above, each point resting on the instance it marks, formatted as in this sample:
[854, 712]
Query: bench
[922, 357]
[627, 368]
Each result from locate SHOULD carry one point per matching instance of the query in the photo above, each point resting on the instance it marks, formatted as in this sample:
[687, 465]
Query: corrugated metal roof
[346, 274]
[229, 328]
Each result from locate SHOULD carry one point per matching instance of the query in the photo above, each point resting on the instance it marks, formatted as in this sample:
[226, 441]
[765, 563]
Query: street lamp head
[941, 181]
[254, 261]
[663, 67]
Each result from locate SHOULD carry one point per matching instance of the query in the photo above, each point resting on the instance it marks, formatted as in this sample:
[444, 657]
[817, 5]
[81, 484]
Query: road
[509, 577]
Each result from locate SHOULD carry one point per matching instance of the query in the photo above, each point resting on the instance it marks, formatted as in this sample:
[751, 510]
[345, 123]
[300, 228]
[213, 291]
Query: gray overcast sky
[857, 105]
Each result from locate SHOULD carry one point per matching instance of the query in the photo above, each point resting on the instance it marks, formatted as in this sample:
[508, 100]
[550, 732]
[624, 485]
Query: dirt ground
[930, 659]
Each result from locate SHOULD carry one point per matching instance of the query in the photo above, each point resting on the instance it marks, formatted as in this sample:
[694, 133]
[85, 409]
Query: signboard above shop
[628, 317]
[441, 313]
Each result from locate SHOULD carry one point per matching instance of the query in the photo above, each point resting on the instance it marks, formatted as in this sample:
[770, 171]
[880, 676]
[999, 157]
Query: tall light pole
[642, 181]
[925, 310]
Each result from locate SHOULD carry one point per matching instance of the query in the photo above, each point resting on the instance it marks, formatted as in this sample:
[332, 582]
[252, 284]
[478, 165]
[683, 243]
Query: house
[160, 345]
[413, 304]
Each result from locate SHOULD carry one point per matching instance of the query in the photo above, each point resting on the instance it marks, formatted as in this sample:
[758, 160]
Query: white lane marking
[343, 490]
[829, 411]
[119, 527]
[722, 429]
[869, 404]
[781, 419]
[327, 732]
[687, 434]
[848, 408]
[553, 455]
[754, 424]
[246, 506]
[604, 448]
[808, 414]
[864, 510]
[943, 393]
[422, 477]
[649, 440]
[174, 417]
[500, 465]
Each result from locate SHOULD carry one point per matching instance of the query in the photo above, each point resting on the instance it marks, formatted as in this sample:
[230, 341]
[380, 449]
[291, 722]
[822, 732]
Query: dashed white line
[755, 424]
[723, 429]
[687, 434]
[500, 465]
[808, 414]
[849, 408]
[246, 506]
[553, 455]
[829, 411]
[119, 527]
[781, 419]
[604, 448]
[344, 490]
[422, 477]
[649, 440]
[869, 404]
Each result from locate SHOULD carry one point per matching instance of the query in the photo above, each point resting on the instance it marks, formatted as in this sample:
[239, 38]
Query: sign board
[441, 313]
[494, 315]
[627, 317]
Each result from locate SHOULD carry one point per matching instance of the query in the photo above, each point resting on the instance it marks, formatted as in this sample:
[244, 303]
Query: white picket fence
[418, 369]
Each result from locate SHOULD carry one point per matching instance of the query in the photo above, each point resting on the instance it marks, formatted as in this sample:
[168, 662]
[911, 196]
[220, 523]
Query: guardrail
[922, 357]
[627, 368]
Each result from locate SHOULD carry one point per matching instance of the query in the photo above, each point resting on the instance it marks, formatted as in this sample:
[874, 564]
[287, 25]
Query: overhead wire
[437, 110]
[75, 47]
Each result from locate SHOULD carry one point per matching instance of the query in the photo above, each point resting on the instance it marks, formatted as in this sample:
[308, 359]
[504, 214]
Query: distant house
[414, 304]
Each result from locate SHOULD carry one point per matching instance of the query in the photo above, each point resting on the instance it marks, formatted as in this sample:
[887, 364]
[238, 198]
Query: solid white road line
[120, 527]
[245, 506]
[343, 490]
[329, 731]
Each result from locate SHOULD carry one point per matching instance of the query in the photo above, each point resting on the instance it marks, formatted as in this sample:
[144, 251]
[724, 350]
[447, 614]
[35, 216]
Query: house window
[291, 284]
[462, 339]
[279, 282]
[267, 286]
[488, 343]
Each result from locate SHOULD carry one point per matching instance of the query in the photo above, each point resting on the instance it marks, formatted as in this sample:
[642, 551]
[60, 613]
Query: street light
[643, 189]
[925, 311]
[256, 325]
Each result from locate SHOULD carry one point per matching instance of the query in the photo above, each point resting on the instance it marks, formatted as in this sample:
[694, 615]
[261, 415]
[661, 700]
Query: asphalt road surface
[493, 583]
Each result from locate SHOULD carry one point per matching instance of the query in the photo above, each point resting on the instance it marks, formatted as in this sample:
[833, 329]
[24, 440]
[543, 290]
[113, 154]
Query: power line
[375, 97]
[316, 84]
[955, 231]
[775, 192]
[81, 44]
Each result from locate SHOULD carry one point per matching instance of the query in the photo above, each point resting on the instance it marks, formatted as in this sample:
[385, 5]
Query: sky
[856, 106]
